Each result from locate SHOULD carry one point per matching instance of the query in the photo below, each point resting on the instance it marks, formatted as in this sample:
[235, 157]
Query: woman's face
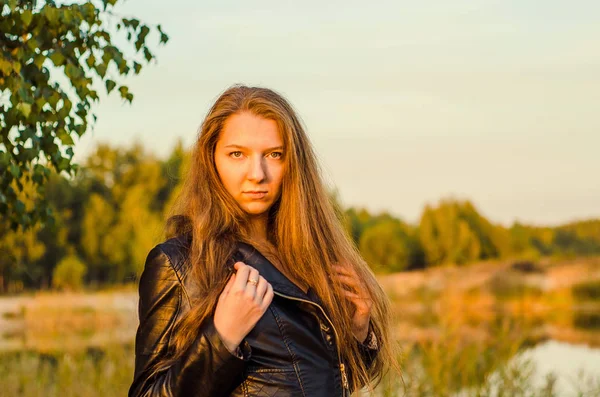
[249, 161]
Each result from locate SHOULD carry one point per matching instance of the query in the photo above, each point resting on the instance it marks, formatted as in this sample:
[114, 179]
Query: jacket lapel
[251, 256]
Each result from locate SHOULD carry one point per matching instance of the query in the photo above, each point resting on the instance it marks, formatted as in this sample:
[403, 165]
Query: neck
[258, 228]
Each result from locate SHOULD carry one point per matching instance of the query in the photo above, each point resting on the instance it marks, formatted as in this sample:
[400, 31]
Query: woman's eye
[236, 155]
[276, 155]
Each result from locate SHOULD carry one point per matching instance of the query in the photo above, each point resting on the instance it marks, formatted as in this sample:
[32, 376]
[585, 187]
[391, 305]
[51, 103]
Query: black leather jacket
[291, 351]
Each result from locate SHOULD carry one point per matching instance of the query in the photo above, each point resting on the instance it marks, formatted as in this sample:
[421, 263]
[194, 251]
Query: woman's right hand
[241, 305]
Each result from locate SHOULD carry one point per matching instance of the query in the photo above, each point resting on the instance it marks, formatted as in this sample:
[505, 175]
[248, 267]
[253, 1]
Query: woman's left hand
[356, 293]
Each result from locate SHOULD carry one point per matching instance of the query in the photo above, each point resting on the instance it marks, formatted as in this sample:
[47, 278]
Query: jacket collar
[251, 256]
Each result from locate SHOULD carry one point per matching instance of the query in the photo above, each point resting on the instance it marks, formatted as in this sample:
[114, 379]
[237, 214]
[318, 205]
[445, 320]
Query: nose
[257, 171]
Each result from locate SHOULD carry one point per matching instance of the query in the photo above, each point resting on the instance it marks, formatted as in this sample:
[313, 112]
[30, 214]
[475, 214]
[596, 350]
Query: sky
[406, 102]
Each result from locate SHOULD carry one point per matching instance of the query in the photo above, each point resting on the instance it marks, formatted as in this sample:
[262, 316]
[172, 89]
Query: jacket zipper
[342, 367]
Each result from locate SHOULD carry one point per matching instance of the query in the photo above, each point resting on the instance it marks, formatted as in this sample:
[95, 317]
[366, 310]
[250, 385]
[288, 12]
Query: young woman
[258, 290]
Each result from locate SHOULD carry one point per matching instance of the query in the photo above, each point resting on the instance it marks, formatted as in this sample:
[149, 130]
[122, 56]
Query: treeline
[112, 213]
[453, 232]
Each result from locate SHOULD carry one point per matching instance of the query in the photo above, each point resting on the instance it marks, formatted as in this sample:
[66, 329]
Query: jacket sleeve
[207, 368]
[369, 348]
[368, 351]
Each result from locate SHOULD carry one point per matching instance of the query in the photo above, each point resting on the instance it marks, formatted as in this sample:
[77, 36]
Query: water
[566, 360]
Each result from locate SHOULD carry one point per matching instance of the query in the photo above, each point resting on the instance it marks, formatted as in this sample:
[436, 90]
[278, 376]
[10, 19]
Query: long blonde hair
[303, 227]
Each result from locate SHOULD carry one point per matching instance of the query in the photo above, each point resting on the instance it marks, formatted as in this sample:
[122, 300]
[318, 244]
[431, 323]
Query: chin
[256, 208]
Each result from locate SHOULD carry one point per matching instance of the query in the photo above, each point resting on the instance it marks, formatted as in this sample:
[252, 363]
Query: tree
[390, 246]
[20, 251]
[120, 224]
[357, 221]
[455, 232]
[68, 274]
[53, 58]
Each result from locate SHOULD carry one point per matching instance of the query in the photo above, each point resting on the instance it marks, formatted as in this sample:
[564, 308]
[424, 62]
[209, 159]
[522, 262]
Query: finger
[351, 295]
[362, 305]
[347, 270]
[229, 284]
[241, 276]
[268, 297]
[349, 281]
[353, 281]
[250, 287]
[261, 289]
[356, 300]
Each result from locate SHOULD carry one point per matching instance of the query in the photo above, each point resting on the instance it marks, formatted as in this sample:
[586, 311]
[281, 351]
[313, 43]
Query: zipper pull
[344, 377]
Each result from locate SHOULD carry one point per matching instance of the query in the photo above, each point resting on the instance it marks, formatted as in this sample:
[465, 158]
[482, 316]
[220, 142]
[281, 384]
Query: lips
[255, 194]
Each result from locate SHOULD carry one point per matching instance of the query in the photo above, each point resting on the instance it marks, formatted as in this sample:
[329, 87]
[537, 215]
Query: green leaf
[19, 207]
[16, 67]
[124, 91]
[51, 14]
[67, 104]
[39, 61]
[64, 137]
[32, 44]
[57, 58]
[63, 164]
[53, 99]
[26, 17]
[89, 11]
[79, 129]
[15, 170]
[144, 30]
[101, 69]
[163, 37]
[137, 67]
[3, 159]
[73, 72]
[91, 61]
[110, 85]
[107, 56]
[5, 66]
[27, 133]
[38, 178]
[147, 54]
[24, 108]
[67, 16]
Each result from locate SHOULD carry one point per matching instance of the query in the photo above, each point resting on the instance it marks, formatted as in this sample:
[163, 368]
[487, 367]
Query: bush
[511, 285]
[587, 290]
[69, 273]
[527, 266]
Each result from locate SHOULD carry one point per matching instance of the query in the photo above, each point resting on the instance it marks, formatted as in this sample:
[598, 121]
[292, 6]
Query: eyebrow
[243, 147]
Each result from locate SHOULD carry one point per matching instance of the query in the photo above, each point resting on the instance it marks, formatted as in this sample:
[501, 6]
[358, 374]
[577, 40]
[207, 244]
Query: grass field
[462, 332]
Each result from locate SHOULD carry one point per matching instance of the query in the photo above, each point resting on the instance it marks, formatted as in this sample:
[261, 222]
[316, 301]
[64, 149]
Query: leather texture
[291, 351]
